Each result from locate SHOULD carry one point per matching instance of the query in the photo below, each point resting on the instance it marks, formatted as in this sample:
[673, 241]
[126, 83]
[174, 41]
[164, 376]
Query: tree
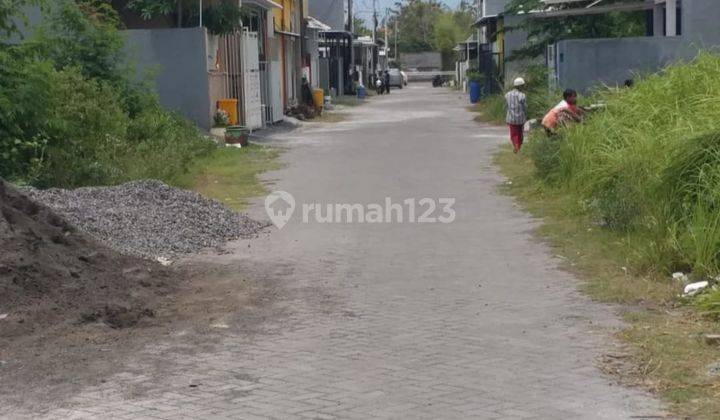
[451, 28]
[543, 31]
[416, 20]
[11, 13]
[359, 28]
[220, 17]
[147, 9]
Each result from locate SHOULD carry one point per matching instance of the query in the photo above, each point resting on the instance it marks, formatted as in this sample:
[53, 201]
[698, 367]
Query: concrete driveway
[469, 319]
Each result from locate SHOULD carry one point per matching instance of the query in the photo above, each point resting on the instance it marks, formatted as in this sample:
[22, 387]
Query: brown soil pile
[50, 274]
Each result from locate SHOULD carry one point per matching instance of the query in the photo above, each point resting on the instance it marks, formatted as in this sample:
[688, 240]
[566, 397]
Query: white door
[252, 99]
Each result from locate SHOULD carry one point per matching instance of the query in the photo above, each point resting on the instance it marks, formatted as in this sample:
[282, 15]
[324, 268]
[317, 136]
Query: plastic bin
[474, 92]
[361, 92]
[318, 98]
[231, 107]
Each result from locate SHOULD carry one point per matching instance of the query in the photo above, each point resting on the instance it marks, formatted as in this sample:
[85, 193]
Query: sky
[363, 8]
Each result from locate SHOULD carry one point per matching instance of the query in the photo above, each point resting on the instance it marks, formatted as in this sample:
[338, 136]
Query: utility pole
[396, 37]
[385, 29]
[375, 22]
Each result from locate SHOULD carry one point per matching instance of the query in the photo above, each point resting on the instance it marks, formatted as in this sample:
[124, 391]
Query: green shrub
[545, 153]
[86, 132]
[649, 164]
[71, 114]
[491, 109]
[709, 303]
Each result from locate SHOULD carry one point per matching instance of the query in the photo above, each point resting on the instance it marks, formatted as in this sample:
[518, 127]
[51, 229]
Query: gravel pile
[148, 218]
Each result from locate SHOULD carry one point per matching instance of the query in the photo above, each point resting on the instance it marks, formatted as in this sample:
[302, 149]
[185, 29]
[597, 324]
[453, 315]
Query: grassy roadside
[668, 354]
[490, 109]
[230, 175]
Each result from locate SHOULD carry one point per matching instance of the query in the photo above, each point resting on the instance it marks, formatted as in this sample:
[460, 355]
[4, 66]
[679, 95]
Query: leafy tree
[451, 27]
[72, 114]
[148, 9]
[219, 17]
[543, 31]
[223, 18]
[416, 20]
[11, 13]
[359, 28]
[68, 37]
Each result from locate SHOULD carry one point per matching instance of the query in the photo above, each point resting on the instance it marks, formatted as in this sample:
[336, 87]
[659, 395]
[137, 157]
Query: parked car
[396, 78]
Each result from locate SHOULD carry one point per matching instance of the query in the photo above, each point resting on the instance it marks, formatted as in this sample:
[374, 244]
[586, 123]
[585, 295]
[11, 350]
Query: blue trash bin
[361, 92]
[474, 92]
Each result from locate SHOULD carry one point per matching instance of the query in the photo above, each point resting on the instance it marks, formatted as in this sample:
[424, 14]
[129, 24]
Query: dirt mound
[52, 274]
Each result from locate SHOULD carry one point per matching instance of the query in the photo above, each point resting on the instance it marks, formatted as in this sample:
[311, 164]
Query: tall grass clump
[648, 164]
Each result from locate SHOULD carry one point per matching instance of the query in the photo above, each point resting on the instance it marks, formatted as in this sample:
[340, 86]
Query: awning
[596, 10]
[265, 4]
[293, 34]
[313, 23]
[485, 19]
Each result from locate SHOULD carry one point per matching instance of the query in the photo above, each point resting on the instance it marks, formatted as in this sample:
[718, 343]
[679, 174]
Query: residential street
[469, 319]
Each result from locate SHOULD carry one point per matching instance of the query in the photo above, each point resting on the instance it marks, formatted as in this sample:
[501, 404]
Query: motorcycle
[379, 86]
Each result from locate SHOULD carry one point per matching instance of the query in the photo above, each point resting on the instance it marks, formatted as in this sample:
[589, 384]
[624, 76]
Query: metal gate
[252, 99]
[227, 70]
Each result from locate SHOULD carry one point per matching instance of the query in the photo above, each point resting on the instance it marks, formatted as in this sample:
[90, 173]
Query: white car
[396, 78]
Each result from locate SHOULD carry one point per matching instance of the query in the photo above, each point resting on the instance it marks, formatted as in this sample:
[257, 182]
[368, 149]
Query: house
[335, 45]
[366, 59]
[498, 35]
[676, 30]
[194, 69]
[286, 47]
[466, 60]
[261, 22]
[311, 61]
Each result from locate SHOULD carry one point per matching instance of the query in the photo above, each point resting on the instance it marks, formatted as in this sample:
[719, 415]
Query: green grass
[649, 164]
[630, 196]
[666, 350]
[231, 175]
[490, 109]
[331, 117]
[347, 100]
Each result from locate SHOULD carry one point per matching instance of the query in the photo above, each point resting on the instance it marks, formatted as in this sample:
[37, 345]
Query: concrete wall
[177, 58]
[584, 63]
[515, 38]
[493, 7]
[701, 22]
[421, 60]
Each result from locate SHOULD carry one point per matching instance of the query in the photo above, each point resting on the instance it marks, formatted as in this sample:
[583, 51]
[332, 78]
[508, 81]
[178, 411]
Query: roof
[313, 23]
[580, 8]
[595, 8]
[267, 4]
[363, 40]
[470, 40]
[485, 19]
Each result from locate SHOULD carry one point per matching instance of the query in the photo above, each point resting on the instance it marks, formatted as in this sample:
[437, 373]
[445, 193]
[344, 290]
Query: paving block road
[469, 319]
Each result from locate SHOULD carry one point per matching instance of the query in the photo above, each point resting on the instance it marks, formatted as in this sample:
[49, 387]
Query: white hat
[519, 82]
